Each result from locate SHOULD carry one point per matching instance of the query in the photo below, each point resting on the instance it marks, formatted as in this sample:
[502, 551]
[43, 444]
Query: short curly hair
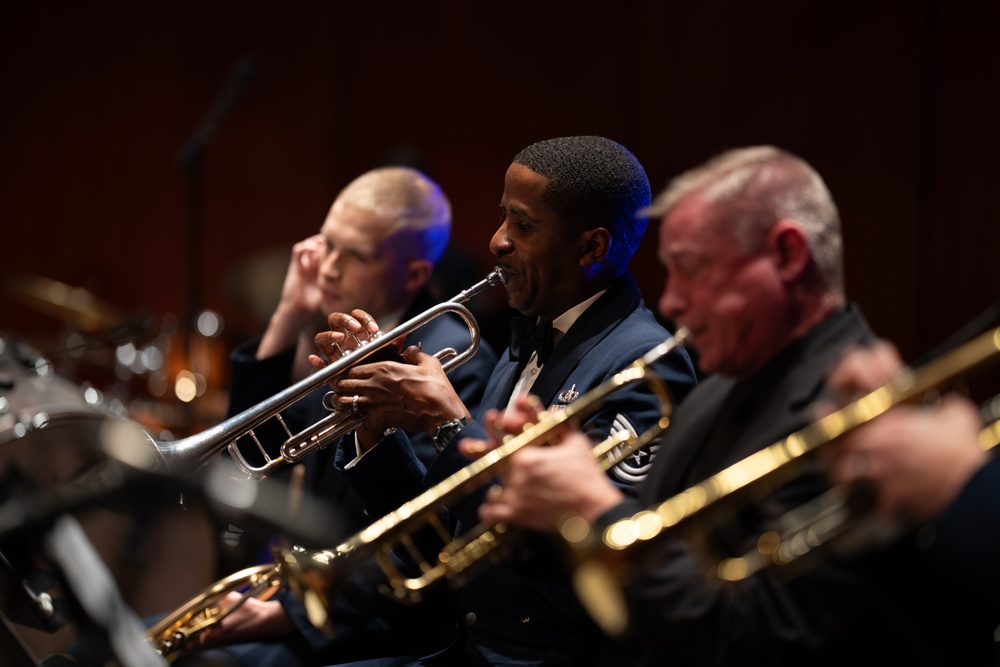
[594, 182]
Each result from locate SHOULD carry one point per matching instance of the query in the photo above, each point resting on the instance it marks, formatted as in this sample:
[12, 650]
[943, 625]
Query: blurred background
[163, 159]
[157, 161]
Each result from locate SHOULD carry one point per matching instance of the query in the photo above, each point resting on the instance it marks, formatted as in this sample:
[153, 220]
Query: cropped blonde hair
[410, 201]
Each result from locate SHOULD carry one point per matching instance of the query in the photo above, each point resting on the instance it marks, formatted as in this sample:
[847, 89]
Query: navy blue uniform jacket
[369, 622]
[529, 612]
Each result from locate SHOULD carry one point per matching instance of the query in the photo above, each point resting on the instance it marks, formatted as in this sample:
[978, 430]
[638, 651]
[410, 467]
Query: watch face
[447, 431]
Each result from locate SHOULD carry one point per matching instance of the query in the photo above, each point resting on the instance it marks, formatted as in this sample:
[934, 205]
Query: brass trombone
[600, 555]
[316, 576]
[189, 453]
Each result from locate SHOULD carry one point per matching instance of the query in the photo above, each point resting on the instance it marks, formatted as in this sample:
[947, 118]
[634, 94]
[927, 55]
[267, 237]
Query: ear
[418, 272]
[594, 246]
[789, 249]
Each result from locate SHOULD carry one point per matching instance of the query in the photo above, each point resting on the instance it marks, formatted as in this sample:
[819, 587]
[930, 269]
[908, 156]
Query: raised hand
[301, 299]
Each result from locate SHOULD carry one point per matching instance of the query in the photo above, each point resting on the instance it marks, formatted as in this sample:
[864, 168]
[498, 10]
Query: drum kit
[166, 375]
[54, 406]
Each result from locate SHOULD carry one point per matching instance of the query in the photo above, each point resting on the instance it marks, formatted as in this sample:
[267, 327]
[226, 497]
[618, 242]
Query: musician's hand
[864, 369]
[347, 331]
[301, 299]
[300, 290]
[545, 481]
[540, 485]
[916, 459]
[501, 424]
[254, 620]
[414, 395]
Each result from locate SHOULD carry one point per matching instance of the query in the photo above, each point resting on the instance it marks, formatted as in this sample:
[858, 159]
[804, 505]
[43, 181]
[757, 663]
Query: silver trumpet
[187, 454]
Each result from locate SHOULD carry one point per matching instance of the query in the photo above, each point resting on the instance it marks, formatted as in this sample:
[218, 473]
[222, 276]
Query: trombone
[599, 555]
[317, 576]
[189, 453]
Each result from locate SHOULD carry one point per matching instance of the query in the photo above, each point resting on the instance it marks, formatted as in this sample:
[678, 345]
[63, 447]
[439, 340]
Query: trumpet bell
[172, 636]
[238, 431]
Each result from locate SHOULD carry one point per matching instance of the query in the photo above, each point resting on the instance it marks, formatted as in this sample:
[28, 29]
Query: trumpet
[171, 637]
[599, 555]
[189, 453]
[316, 576]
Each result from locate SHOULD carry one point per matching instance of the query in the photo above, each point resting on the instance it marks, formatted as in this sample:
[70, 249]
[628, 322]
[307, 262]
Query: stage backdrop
[163, 158]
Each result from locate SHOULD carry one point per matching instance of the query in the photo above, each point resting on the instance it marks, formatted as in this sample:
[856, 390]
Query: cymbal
[74, 305]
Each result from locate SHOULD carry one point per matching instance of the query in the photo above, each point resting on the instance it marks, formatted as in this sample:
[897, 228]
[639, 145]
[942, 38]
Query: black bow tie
[526, 337]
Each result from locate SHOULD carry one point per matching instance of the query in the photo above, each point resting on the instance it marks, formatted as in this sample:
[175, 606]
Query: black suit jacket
[883, 608]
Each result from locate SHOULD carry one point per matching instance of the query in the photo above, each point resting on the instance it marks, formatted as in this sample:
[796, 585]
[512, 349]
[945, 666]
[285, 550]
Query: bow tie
[526, 337]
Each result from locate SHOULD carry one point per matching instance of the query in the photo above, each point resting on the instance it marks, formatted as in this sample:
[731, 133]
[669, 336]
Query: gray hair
[751, 189]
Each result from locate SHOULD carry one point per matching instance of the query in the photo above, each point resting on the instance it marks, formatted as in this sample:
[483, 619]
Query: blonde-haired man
[376, 250]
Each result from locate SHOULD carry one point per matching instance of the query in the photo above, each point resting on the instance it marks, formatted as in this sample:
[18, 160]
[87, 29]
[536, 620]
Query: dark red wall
[895, 103]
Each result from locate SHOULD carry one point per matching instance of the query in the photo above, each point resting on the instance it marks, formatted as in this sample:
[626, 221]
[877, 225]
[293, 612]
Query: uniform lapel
[589, 329]
[500, 385]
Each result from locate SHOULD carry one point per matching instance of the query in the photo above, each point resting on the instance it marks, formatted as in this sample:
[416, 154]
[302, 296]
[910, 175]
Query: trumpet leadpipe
[189, 453]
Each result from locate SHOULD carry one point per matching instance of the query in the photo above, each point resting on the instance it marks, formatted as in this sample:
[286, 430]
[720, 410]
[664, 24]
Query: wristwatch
[447, 431]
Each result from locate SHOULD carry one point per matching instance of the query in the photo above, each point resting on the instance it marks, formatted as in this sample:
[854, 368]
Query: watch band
[447, 431]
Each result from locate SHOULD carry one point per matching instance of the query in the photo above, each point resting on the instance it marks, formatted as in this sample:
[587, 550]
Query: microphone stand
[191, 158]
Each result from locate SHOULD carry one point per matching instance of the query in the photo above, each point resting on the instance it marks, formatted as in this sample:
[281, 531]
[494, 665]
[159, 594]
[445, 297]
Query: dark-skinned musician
[567, 232]
[751, 244]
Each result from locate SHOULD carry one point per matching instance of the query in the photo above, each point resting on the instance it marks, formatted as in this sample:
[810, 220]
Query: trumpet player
[752, 248]
[567, 232]
[376, 249]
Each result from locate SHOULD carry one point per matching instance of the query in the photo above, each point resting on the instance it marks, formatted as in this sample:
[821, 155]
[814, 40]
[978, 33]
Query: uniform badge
[567, 396]
[634, 467]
